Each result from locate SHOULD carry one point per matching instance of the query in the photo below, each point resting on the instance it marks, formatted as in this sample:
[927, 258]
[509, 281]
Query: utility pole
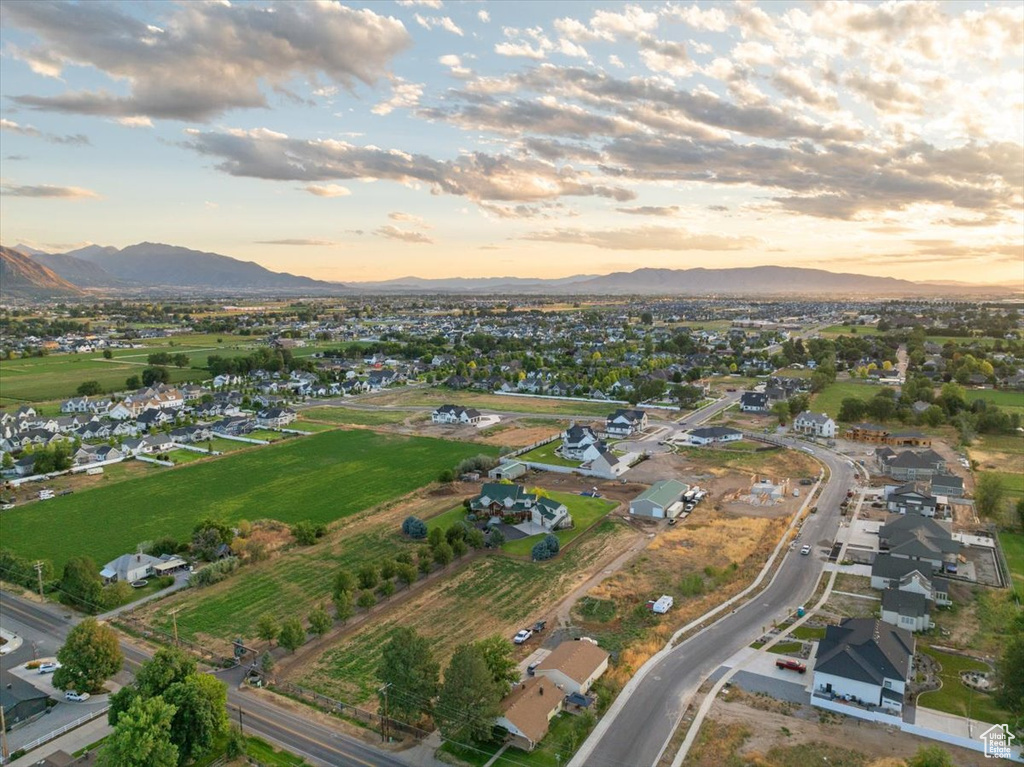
[3, 736]
[240, 729]
[384, 721]
[39, 572]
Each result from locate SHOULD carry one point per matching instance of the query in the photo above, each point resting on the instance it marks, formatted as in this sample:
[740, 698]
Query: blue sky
[368, 141]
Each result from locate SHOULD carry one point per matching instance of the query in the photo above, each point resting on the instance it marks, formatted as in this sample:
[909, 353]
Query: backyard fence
[347, 709]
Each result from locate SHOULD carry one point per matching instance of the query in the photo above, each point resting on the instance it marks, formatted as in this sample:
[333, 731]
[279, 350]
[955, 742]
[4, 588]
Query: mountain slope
[21, 277]
[155, 264]
[78, 271]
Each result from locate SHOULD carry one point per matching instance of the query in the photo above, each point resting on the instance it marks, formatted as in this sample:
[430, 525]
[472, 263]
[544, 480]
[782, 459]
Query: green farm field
[830, 399]
[1013, 550]
[1010, 401]
[319, 478]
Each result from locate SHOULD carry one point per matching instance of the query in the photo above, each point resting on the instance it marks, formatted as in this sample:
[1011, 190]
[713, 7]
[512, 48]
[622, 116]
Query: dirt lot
[770, 735]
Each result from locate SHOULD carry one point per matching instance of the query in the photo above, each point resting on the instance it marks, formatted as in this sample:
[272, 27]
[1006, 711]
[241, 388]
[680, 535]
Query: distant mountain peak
[23, 277]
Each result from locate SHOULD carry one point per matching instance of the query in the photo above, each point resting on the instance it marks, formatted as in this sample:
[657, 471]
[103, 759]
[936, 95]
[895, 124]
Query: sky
[356, 142]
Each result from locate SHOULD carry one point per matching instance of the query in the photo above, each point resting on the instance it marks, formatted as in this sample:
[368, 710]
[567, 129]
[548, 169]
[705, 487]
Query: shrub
[415, 528]
[546, 548]
[214, 573]
[479, 463]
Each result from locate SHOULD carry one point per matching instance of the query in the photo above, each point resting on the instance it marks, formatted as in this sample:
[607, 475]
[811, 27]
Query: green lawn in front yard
[550, 752]
[786, 648]
[830, 399]
[585, 512]
[319, 478]
[180, 456]
[1013, 550]
[809, 632]
[954, 697]
[546, 454]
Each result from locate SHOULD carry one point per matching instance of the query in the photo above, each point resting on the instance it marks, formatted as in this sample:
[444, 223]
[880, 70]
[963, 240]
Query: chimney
[540, 689]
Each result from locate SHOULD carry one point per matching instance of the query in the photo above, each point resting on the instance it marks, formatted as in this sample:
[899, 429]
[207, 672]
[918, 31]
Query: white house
[905, 609]
[709, 435]
[607, 464]
[129, 568]
[754, 402]
[574, 666]
[575, 443]
[550, 514]
[456, 414]
[815, 425]
[866, 661]
[624, 422]
[275, 417]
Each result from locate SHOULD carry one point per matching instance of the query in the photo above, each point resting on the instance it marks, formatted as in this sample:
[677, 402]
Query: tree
[89, 388]
[133, 382]
[366, 599]
[407, 664]
[446, 477]
[646, 318]
[931, 756]
[459, 547]
[496, 538]
[142, 736]
[319, 621]
[167, 667]
[424, 565]
[546, 548]
[368, 577]
[852, 409]
[343, 581]
[267, 662]
[91, 654]
[497, 654]
[435, 536]
[989, 494]
[387, 589]
[443, 554]
[305, 533]
[201, 717]
[292, 635]
[1010, 666]
[116, 594]
[343, 606]
[415, 528]
[155, 375]
[468, 702]
[781, 411]
[80, 585]
[267, 628]
[107, 354]
[388, 568]
[406, 573]
[1020, 512]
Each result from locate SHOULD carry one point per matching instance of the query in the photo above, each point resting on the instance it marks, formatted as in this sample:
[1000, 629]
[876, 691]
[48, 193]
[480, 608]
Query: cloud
[478, 176]
[297, 242]
[328, 190]
[645, 238]
[432, 4]
[409, 218]
[484, 16]
[797, 83]
[394, 233]
[204, 58]
[403, 95]
[522, 49]
[651, 210]
[711, 18]
[47, 191]
[439, 22]
[77, 139]
[545, 115]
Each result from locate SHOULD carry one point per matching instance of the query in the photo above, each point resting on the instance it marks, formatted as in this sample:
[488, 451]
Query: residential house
[865, 660]
[275, 418]
[550, 514]
[708, 435]
[909, 439]
[503, 500]
[22, 702]
[121, 412]
[234, 426]
[606, 464]
[815, 425]
[656, 502]
[75, 405]
[456, 414]
[921, 539]
[906, 609]
[190, 434]
[911, 498]
[754, 402]
[379, 379]
[128, 568]
[909, 465]
[458, 382]
[624, 422]
[867, 432]
[947, 485]
[574, 666]
[153, 418]
[527, 711]
[576, 440]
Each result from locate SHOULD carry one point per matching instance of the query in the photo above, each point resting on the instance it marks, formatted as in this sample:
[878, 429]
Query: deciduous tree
[408, 665]
[292, 635]
[91, 654]
[142, 736]
[468, 702]
[200, 718]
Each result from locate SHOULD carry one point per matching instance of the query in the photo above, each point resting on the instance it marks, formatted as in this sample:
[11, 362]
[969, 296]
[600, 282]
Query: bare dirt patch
[770, 730]
[519, 436]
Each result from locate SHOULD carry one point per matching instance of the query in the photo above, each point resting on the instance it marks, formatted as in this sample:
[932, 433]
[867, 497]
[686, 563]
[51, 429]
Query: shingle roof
[529, 706]
[714, 432]
[904, 602]
[887, 566]
[577, 659]
[866, 650]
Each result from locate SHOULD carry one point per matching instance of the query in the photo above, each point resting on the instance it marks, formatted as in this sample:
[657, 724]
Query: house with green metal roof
[656, 501]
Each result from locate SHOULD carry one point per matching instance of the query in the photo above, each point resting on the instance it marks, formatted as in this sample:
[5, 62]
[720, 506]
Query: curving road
[636, 731]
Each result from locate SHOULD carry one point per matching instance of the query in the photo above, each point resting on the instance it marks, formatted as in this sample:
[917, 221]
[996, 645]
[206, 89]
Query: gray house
[906, 609]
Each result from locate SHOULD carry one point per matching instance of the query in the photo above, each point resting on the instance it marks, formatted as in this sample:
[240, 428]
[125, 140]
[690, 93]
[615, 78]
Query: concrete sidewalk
[70, 742]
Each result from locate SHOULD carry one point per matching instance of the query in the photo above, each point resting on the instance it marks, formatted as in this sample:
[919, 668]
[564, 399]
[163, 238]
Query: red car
[791, 665]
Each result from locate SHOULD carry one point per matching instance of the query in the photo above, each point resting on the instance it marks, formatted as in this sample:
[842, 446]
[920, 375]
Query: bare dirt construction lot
[739, 733]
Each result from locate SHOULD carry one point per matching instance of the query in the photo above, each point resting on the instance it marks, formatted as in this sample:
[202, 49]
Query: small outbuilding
[655, 501]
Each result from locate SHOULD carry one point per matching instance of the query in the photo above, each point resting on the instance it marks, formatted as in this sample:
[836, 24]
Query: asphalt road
[315, 742]
[645, 723]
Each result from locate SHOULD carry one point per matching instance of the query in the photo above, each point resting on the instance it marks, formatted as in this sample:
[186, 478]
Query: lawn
[352, 416]
[550, 752]
[320, 478]
[1010, 401]
[1013, 550]
[830, 399]
[585, 512]
[433, 397]
[851, 330]
[955, 698]
[447, 519]
[546, 454]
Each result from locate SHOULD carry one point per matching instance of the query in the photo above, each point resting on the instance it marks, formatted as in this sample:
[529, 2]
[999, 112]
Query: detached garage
[655, 501]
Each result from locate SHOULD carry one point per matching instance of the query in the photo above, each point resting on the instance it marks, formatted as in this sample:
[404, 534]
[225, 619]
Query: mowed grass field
[1013, 550]
[319, 478]
[343, 415]
[1010, 401]
[830, 399]
[433, 397]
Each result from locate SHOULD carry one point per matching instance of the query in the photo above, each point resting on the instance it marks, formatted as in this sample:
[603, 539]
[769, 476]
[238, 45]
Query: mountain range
[154, 268]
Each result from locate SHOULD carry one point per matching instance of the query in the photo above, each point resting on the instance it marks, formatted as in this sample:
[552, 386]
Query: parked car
[76, 697]
[522, 636]
[49, 667]
[805, 550]
[689, 507]
[672, 521]
[806, 481]
[791, 665]
[531, 670]
[814, 509]
[539, 625]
